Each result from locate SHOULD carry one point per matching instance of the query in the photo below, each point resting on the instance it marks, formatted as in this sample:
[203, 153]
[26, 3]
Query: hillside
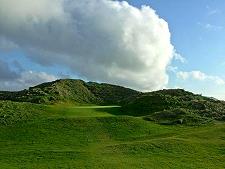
[72, 91]
[111, 94]
[175, 106]
[171, 106]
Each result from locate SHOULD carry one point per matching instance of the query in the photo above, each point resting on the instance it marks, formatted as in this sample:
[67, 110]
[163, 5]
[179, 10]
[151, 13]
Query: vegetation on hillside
[178, 116]
[51, 92]
[13, 112]
[111, 94]
[175, 102]
[133, 103]
[72, 91]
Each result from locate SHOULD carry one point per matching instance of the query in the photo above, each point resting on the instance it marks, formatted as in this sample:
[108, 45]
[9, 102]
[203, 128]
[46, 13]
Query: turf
[67, 136]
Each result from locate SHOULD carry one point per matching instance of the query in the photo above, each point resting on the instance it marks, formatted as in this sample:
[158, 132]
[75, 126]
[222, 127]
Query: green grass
[67, 136]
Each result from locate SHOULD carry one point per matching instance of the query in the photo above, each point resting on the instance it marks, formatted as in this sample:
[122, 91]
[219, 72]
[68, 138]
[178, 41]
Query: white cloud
[20, 79]
[179, 57]
[200, 76]
[210, 27]
[213, 12]
[172, 69]
[25, 79]
[213, 27]
[100, 40]
[30, 78]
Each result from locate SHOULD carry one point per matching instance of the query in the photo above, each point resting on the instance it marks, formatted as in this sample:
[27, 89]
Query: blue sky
[197, 29]
[197, 33]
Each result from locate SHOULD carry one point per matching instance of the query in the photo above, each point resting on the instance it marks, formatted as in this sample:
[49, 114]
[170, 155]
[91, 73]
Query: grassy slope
[111, 94]
[53, 92]
[71, 91]
[65, 136]
[175, 102]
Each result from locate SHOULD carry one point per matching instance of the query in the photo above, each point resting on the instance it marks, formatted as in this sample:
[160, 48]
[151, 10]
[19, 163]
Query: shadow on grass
[114, 110]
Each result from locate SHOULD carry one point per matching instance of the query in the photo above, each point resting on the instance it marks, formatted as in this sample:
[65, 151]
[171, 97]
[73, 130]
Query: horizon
[148, 45]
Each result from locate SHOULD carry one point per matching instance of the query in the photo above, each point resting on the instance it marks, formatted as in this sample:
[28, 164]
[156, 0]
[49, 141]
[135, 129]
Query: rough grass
[178, 116]
[13, 112]
[64, 136]
[71, 91]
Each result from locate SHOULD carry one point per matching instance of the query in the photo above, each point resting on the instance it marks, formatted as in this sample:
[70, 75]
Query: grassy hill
[56, 91]
[95, 137]
[172, 106]
[175, 106]
[71, 91]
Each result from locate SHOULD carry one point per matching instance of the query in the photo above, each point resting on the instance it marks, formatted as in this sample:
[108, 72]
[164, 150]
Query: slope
[72, 91]
[65, 138]
[175, 106]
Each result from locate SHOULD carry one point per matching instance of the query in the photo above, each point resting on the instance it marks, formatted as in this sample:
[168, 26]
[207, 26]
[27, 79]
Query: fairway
[97, 137]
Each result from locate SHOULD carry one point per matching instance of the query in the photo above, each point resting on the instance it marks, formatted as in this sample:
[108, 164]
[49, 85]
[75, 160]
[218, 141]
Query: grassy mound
[178, 116]
[13, 112]
[71, 91]
[51, 92]
[166, 102]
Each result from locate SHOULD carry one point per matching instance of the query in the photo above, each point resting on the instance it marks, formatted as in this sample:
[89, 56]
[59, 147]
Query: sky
[143, 44]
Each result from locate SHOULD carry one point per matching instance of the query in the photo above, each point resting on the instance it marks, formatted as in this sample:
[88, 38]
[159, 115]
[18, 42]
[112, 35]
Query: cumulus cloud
[18, 80]
[101, 40]
[200, 76]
